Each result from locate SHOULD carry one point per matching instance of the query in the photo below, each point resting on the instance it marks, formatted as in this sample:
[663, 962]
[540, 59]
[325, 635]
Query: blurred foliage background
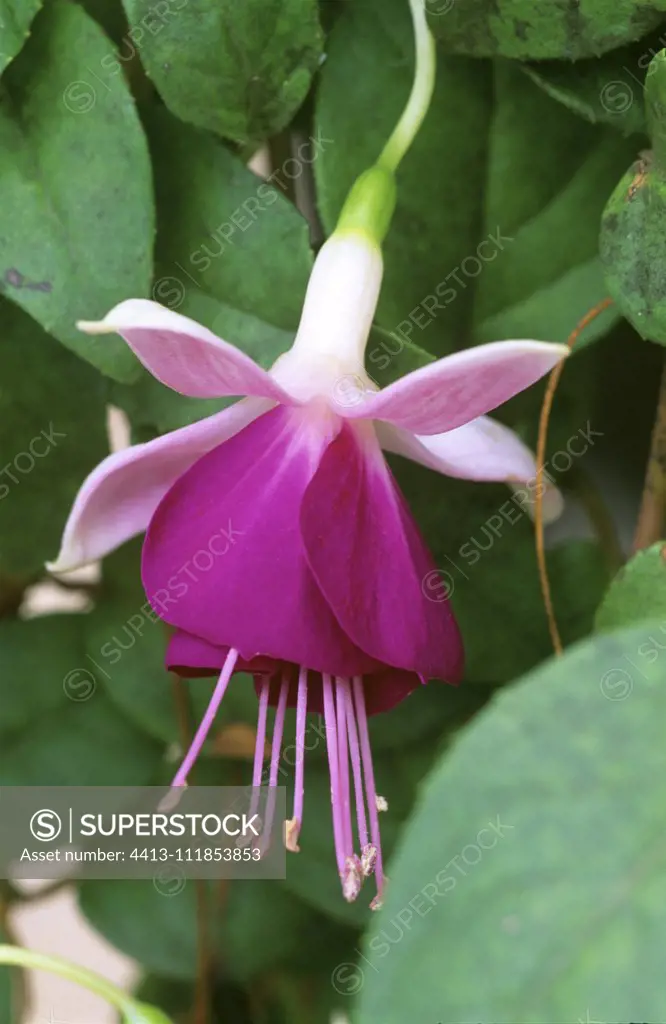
[535, 188]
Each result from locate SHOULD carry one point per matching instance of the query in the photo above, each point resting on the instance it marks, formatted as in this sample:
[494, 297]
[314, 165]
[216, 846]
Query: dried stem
[544, 419]
[653, 504]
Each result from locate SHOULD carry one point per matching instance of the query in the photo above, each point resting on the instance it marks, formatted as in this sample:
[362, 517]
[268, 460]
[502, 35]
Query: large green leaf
[222, 229]
[637, 593]
[151, 920]
[15, 18]
[605, 90]
[59, 728]
[266, 927]
[631, 241]
[232, 253]
[75, 185]
[52, 433]
[499, 605]
[238, 69]
[83, 741]
[536, 855]
[527, 31]
[534, 288]
[37, 658]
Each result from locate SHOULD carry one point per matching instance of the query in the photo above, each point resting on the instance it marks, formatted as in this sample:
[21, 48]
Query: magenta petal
[190, 656]
[372, 564]
[185, 356]
[460, 387]
[118, 498]
[224, 559]
[385, 690]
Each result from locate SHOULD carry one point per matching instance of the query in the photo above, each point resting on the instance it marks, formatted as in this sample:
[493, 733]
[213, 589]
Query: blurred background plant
[126, 131]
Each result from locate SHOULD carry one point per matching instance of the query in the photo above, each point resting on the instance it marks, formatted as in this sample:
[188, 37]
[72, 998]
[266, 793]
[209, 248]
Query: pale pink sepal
[184, 355]
[459, 388]
[481, 450]
[119, 497]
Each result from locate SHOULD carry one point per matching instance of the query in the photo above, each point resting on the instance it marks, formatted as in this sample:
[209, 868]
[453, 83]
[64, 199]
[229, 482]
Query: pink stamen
[352, 879]
[343, 766]
[332, 751]
[299, 779]
[356, 769]
[368, 771]
[260, 746]
[180, 778]
[278, 729]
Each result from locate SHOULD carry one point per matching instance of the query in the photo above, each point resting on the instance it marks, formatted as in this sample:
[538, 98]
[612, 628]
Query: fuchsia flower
[320, 592]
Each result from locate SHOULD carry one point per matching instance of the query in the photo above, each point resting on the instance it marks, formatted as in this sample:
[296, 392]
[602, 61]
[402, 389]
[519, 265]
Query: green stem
[132, 1011]
[14, 956]
[424, 82]
[371, 201]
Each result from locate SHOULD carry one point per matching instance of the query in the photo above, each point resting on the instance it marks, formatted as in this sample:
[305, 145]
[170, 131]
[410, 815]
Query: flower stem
[132, 1011]
[15, 956]
[371, 201]
[412, 117]
[650, 527]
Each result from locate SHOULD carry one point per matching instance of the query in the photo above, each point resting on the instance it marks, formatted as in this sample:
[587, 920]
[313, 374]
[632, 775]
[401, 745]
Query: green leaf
[52, 433]
[604, 90]
[74, 175]
[15, 19]
[631, 244]
[142, 1013]
[637, 593]
[153, 921]
[37, 657]
[470, 253]
[536, 851]
[267, 927]
[432, 711]
[239, 70]
[499, 605]
[79, 741]
[223, 230]
[524, 30]
[534, 288]
[173, 996]
[222, 236]
[439, 218]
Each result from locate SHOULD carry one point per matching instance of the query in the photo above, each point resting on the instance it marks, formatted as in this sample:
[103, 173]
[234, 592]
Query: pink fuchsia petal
[223, 557]
[371, 563]
[191, 657]
[184, 355]
[119, 497]
[461, 387]
[384, 689]
[481, 450]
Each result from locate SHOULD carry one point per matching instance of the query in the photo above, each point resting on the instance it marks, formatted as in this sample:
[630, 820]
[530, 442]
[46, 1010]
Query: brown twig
[650, 524]
[544, 419]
